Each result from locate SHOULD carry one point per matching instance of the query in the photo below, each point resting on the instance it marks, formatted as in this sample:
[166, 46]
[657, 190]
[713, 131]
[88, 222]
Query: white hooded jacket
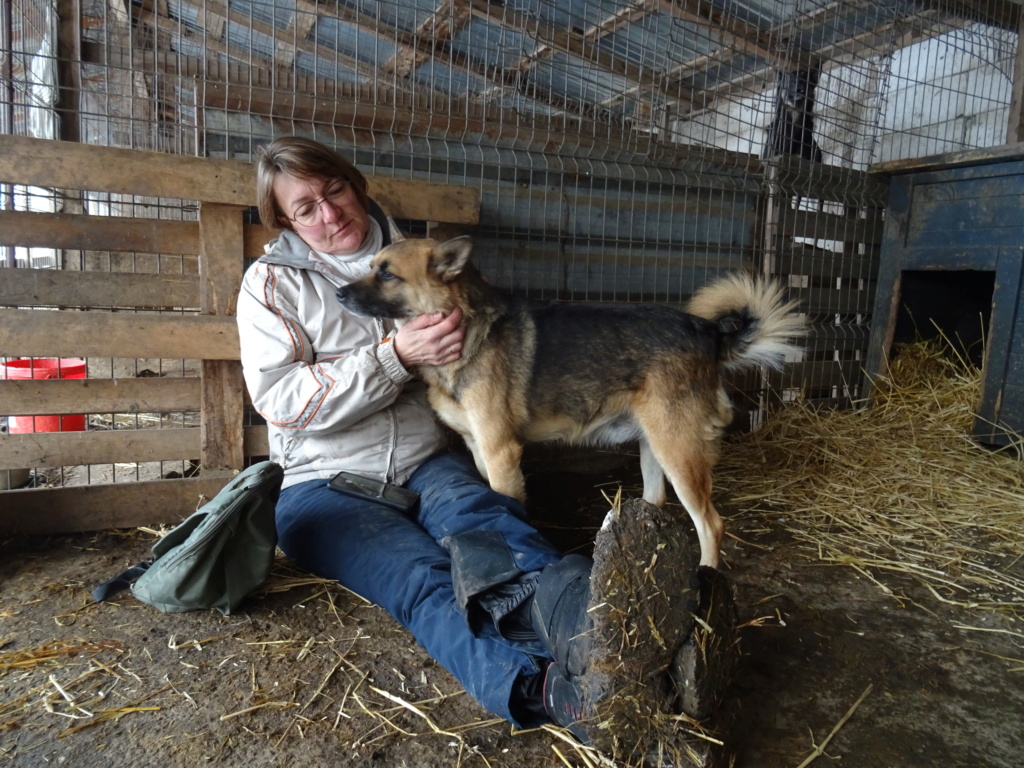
[328, 381]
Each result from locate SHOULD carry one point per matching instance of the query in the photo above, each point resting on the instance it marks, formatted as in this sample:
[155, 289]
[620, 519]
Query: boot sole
[642, 599]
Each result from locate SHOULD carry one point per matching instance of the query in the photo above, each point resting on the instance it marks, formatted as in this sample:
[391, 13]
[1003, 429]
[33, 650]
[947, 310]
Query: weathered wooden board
[68, 449]
[79, 232]
[36, 333]
[59, 396]
[828, 226]
[65, 449]
[817, 374]
[45, 511]
[66, 288]
[67, 165]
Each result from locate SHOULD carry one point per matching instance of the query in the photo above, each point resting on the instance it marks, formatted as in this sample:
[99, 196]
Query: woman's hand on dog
[432, 339]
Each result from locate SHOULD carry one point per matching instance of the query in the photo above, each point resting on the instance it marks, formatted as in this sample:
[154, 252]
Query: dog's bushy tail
[754, 317]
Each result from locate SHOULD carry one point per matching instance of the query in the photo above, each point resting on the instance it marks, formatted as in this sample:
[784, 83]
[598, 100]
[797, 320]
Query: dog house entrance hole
[955, 304]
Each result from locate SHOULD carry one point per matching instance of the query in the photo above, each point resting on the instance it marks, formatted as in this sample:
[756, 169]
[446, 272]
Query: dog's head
[409, 278]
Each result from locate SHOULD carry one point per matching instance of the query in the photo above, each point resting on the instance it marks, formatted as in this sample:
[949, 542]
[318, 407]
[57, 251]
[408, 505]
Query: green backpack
[217, 556]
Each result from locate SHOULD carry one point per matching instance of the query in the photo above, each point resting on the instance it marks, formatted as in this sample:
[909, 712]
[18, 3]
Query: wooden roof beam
[557, 40]
[147, 14]
[436, 31]
[732, 31]
[415, 49]
[633, 12]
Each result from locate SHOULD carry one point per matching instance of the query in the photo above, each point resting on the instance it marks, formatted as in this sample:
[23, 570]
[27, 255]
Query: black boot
[560, 619]
[559, 612]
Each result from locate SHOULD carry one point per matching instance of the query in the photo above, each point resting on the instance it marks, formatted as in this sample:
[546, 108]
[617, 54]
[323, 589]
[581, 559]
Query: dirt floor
[308, 674]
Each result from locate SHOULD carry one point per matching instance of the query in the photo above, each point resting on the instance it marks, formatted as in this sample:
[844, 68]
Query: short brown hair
[303, 159]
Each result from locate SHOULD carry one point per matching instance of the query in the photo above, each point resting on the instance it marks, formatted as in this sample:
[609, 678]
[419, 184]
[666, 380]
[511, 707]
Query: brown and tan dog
[585, 374]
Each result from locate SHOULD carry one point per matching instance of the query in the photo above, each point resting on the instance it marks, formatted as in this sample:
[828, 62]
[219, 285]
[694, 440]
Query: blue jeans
[395, 560]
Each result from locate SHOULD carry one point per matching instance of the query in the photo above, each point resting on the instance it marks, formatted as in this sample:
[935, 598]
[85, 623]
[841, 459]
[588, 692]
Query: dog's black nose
[342, 294]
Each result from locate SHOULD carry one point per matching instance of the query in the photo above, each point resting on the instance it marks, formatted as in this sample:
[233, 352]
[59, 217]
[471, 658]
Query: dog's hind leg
[683, 428]
[689, 470]
[654, 476]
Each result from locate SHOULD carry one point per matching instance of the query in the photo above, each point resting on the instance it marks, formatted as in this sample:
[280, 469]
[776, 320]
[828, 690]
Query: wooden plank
[818, 374]
[221, 415]
[69, 333]
[1003, 153]
[47, 511]
[828, 226]
[818, 300]
[66, 165]
[98, 233]
[69, 64]
[822, 181]
[67, 449]
[58, 288]
[256, 441]
[221, 404]
[820, 264]
[59, 396]
[425, 201]
[220, 257]
[1014, 126]
[255, 237]
[844, 338]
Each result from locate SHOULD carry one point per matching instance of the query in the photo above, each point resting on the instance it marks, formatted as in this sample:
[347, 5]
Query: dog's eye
[384, 276]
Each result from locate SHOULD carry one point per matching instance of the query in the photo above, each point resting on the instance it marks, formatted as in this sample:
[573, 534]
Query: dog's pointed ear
[448, 259]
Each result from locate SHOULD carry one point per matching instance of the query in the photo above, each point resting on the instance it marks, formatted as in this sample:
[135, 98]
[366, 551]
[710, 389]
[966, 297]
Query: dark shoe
[559, 612]
[563, 701]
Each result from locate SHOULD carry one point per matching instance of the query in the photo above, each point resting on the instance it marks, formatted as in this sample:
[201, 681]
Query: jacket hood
[289, 250]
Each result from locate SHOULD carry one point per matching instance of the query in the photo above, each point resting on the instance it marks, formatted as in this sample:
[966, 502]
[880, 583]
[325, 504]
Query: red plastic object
[45, 368]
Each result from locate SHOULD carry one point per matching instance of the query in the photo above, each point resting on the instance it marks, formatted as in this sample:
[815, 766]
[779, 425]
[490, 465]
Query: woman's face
[339, 225]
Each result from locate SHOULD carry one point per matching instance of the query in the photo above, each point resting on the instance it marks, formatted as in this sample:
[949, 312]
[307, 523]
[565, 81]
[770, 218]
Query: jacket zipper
[389, 470]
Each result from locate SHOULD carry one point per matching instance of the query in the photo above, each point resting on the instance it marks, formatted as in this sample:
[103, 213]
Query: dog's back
[586, 355]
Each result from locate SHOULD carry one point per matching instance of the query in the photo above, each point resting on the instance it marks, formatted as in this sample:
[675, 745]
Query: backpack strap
[120, 582]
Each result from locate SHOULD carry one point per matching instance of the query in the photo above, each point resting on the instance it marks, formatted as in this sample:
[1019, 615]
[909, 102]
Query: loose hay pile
[898, 487]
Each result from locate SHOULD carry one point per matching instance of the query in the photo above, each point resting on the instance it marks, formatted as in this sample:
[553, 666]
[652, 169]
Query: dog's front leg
[498, 452]
[478, 458]
[504, 473]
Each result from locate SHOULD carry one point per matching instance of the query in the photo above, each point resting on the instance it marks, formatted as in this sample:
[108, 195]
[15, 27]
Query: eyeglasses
[309, 214]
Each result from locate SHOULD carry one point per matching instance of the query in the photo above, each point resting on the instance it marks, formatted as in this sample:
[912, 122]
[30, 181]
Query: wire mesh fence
[623, 151]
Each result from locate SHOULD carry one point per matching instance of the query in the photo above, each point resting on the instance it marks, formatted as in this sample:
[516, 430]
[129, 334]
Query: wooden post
[775, 203]
[1014, 123]
[771, 223]
[69, 59]
[222, 402]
